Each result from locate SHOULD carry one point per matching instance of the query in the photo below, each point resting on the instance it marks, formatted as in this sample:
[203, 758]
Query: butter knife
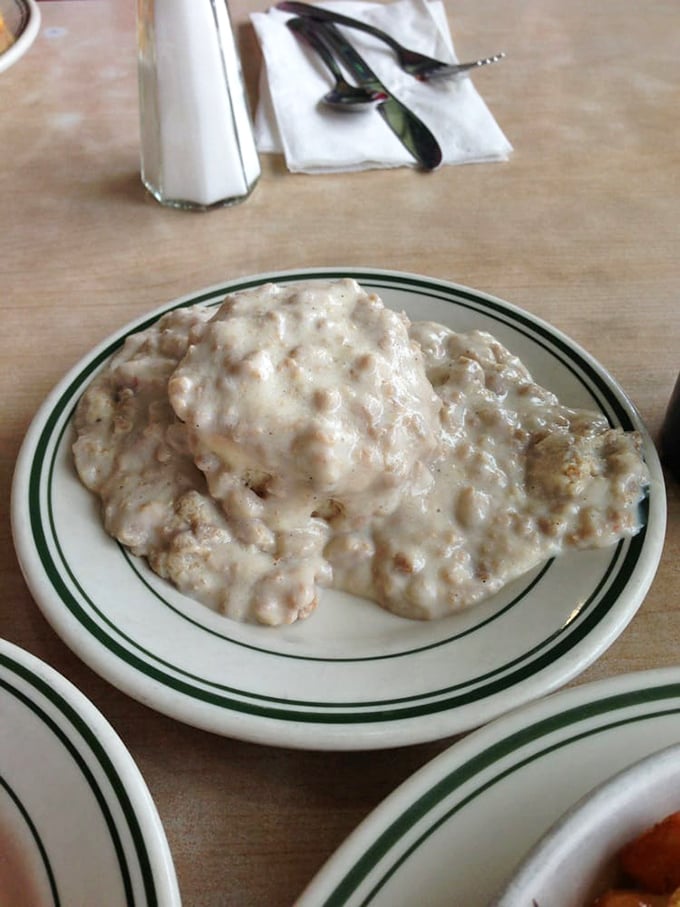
[409, 129]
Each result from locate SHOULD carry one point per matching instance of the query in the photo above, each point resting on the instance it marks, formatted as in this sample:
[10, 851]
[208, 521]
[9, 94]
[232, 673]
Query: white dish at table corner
[583, 845]
[455, 832]
[22, 18]
[352, 676]
[77, 822]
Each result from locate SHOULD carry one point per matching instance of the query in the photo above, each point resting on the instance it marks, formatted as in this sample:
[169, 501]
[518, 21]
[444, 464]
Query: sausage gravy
[307, 436]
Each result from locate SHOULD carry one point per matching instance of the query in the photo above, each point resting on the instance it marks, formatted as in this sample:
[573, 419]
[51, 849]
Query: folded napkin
[290, 120]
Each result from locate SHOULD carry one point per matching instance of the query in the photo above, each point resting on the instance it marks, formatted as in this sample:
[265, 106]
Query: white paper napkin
[290, 120]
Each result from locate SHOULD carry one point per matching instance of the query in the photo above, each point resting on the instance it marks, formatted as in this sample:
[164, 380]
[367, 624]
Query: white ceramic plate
[77, 822]
[22, 19]
[352, 676]
[456, 830]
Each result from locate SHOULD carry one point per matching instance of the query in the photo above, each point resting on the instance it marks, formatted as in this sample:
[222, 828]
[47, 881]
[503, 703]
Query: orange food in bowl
[650, 865]
[6, 36]
[653, 859]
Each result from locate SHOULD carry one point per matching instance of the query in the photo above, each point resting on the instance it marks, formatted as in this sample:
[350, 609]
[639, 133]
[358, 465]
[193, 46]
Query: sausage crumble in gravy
[307, 436]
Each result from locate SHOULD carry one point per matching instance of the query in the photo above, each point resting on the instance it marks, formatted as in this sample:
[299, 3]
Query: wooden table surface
[580, 227]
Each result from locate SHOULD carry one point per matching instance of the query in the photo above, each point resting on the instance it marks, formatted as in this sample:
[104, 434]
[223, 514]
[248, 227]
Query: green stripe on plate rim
[486, 759]
[88, 737]
[573, 633]
[35, 834]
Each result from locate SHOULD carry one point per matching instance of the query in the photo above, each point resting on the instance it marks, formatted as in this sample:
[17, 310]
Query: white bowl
[22, 19]
[581, 847]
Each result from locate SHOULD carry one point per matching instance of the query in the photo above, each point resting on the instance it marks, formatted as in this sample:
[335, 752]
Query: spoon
[343, 96]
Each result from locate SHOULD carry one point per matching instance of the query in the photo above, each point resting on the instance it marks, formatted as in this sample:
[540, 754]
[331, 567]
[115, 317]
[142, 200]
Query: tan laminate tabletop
[581, 227]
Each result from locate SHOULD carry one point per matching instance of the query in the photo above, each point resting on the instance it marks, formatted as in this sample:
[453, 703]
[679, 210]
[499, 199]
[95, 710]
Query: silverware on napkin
[409, 129]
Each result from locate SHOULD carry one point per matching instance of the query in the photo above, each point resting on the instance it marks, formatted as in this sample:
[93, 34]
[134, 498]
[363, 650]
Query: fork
[416, 64]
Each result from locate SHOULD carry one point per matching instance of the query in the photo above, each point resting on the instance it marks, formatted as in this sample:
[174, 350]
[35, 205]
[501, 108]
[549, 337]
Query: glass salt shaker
[669, 440]
[197, 144]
